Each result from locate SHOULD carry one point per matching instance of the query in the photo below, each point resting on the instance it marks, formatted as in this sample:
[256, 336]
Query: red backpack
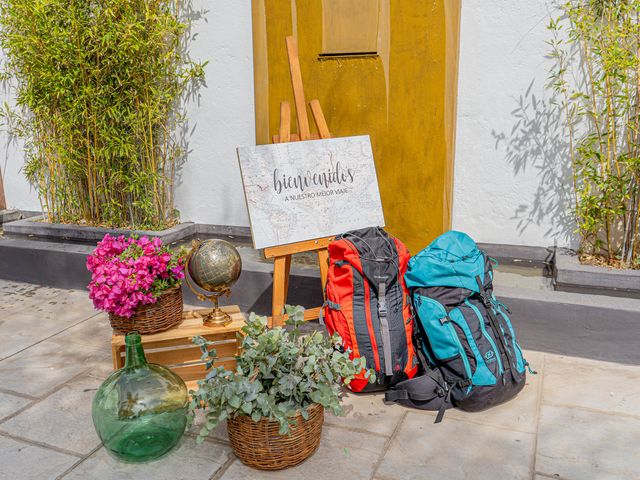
[368, 304]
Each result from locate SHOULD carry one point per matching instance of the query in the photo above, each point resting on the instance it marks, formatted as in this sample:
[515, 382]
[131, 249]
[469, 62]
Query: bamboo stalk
[3, 200]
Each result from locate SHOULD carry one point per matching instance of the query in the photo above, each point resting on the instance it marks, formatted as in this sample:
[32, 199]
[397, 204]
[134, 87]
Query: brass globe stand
[216, 318]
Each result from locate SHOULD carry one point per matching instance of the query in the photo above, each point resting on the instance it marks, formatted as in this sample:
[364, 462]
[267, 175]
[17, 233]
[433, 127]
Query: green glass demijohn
[140, 411]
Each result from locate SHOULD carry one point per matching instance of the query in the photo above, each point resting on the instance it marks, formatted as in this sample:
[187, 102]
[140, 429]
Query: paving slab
[14, 293]
[342, 454]
[28, 462]
[455, 449]
[39, 369]
[520, 413]
[591, 384]
[367, 412]
[31, 329]
[515, 279]
[219, 434]
[189, 461]
[37, 317]
[63, 419]
[578, 444]
[10, 404]
[95, 332]
[24, 296]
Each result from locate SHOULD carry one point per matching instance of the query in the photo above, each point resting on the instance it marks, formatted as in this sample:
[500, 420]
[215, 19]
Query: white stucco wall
[512, 178]
[18, 193]
[209, 188]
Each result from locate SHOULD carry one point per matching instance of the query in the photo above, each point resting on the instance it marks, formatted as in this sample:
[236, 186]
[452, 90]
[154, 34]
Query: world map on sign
[305, 190]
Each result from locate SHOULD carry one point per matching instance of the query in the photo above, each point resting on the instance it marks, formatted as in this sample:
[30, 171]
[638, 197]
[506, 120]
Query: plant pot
[259, 445]
[156, 317]
[570, 275]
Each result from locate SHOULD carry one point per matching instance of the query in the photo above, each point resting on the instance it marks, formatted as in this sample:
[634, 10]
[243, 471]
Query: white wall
[18, 193]
[512, 182]
[209, 188]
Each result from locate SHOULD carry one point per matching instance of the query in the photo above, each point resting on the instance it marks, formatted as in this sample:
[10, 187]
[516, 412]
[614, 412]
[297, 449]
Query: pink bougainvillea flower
[128, 272]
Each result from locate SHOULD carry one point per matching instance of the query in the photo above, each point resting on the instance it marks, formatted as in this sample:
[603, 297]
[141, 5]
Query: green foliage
[596, 77]
[279, 373]
[98, 87]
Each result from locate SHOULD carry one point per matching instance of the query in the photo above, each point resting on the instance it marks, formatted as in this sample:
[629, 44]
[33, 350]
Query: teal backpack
[464, 335]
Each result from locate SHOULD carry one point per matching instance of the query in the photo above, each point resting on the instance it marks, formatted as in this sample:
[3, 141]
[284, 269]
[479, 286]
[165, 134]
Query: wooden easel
[282, 254]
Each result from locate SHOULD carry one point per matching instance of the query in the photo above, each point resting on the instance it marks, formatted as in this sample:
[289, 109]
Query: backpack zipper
[494, 347]
[446, 321]
[515, 347]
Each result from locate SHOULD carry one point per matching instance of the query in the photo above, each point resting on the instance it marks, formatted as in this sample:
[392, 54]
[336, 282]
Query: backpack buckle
[465, 383]
[382, 300]
[486, 300]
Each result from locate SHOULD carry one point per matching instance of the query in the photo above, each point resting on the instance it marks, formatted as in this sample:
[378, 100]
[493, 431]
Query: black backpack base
[426, 392]
[483, 398]
[430, 391]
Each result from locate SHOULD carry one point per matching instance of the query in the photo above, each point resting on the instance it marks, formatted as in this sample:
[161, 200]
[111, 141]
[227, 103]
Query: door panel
[403, 96]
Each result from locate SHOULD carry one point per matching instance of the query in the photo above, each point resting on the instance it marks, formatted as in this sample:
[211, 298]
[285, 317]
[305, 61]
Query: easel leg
[323, 262]
[287, 272]
[281, 268]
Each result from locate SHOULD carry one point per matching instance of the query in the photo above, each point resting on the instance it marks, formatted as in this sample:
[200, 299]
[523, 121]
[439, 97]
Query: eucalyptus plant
[596, 48]
[279, 373]
[99, 88]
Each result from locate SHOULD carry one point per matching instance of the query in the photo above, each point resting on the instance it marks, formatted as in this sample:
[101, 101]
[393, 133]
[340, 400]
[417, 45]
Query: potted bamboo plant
[595, 48]
[100, 94]
[274, 400]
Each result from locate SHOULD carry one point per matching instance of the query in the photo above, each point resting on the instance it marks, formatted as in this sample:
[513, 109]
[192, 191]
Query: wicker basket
[259, 445]
[156, 317]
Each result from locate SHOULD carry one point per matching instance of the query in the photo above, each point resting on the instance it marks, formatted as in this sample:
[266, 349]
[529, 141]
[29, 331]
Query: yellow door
[387, 68]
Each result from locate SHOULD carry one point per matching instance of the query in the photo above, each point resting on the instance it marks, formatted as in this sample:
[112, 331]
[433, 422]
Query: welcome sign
[304, 190]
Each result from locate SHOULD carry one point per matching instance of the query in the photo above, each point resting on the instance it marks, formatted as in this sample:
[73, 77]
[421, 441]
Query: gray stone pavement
[577, 419]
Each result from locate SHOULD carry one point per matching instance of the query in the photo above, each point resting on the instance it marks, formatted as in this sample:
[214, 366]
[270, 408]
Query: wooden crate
[173, 348]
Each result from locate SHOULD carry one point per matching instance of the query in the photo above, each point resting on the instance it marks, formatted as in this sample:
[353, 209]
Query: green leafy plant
[279, 373]
[99, 88]
[596, 48]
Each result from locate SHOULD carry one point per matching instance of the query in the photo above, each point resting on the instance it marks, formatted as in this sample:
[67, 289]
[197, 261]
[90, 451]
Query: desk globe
[213, 266]
[140, 411]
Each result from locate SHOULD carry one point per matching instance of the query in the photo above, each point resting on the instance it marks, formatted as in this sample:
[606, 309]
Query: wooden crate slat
[180, 345]
[217, 340]
[186, 355]
[190, 327]
[199, 371]
[174, 348]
